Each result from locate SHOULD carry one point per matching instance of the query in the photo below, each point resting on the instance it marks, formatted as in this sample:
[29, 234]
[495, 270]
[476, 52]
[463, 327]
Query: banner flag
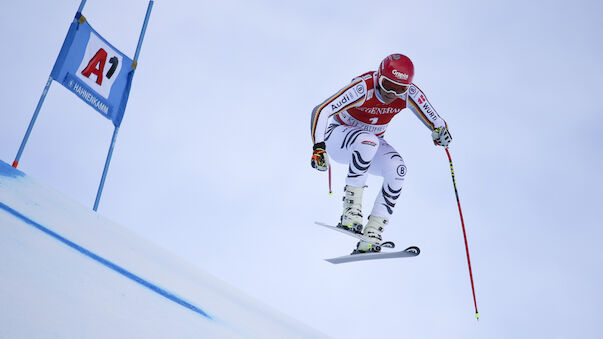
[94, 70]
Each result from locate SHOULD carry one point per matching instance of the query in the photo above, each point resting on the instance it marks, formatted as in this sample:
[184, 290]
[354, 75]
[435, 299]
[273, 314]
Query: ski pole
[464, 233]
[330, 190]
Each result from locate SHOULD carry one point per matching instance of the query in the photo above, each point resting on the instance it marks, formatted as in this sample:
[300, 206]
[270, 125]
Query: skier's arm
[422, 108]
[349, 96]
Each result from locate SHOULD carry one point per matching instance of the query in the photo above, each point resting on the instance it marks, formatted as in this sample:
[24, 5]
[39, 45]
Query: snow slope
[67, 272]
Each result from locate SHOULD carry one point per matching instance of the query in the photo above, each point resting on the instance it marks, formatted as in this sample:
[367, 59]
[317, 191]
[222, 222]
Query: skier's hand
[320, 160]
[441, 136]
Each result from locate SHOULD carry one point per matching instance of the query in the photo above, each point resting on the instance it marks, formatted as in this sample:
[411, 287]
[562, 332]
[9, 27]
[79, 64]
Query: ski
[386, 244]
[412, 251]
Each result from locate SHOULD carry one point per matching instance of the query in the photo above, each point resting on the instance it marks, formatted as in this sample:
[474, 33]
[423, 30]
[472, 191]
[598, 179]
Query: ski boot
[372, 231]
[351, 219]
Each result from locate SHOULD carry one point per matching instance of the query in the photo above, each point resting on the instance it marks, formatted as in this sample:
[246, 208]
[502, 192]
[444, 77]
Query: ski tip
[413, 249]
[477, 316]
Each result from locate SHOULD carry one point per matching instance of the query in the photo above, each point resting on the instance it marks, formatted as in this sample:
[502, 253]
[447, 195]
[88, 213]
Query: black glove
[441, 136]
[320, 160]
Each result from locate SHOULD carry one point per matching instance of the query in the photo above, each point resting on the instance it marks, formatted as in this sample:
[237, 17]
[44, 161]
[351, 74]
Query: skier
[350, 125]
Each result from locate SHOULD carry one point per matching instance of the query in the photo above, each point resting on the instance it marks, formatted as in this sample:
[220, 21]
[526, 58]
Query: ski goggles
[392, 87]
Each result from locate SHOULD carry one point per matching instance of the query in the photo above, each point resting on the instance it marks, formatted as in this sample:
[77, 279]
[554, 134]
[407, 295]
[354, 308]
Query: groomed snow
[67, 272]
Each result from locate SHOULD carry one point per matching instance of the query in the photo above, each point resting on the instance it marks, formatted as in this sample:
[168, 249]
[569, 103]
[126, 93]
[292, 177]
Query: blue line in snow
[108, 263]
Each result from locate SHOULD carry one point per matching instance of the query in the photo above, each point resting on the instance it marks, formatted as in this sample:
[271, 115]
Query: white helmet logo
[400, 75]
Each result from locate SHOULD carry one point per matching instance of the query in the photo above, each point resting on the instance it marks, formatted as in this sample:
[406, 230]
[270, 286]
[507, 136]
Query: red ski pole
[464, 233]
[330, 190]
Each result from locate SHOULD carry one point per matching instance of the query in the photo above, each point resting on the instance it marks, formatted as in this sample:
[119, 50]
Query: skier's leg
[388, 164]
[356, 148]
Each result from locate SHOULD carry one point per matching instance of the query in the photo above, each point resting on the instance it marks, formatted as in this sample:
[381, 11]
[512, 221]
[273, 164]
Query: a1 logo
[100, 66]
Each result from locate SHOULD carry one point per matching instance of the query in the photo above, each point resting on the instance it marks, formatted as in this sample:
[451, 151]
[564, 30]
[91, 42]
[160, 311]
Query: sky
[212, 158]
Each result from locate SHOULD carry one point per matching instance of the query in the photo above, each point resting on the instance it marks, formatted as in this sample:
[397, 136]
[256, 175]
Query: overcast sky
[212, 158]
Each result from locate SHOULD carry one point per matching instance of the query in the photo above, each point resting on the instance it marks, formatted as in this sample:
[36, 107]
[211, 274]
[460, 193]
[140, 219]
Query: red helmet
[395, 73]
